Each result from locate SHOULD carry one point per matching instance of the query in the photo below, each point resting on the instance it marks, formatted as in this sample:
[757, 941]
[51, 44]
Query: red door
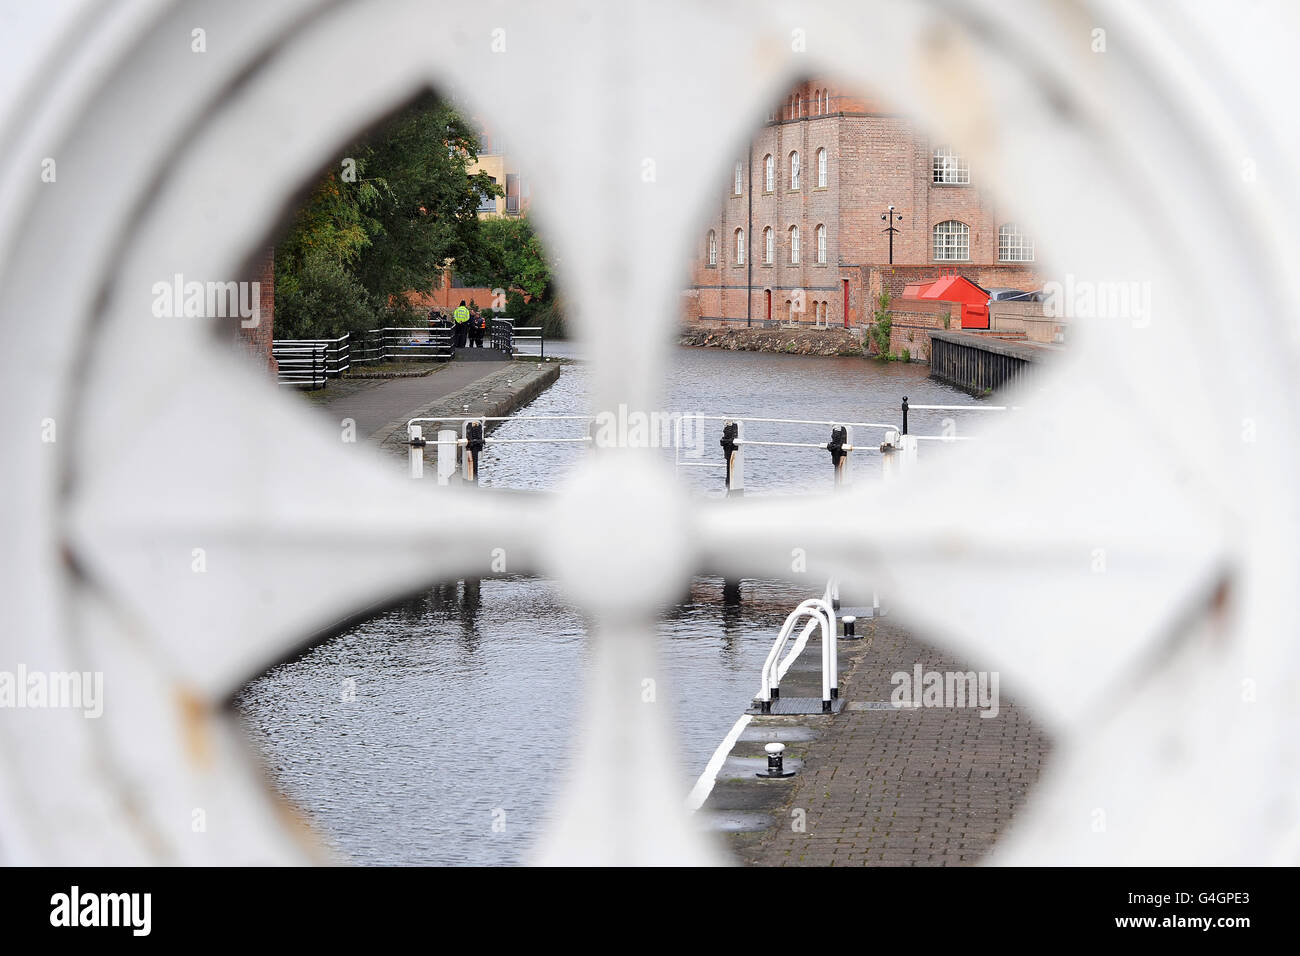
[769, 304]
[846, 303]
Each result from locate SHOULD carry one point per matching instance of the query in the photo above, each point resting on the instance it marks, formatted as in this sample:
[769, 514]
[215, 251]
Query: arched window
[769, 242]
[951, 241]
[794, 170]
[794, 245]
[713, 248]
[769, 173]
[821, 167]
[817, 109]
[789, 310]
[950, 168]
[1014, 245]
[740, 247]
[739, 177]
[798, 106]
[821, 245]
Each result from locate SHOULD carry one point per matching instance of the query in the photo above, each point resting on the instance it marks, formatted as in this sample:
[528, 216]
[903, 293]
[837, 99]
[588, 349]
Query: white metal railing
[897, 448]
[820, 612]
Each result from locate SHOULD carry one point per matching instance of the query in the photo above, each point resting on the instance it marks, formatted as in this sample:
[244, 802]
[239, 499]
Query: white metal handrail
[821, 612]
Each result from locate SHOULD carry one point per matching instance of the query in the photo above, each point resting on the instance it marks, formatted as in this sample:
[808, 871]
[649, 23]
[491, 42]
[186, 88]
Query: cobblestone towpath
[877, 784]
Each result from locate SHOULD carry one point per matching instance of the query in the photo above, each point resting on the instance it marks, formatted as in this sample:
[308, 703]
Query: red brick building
[798, 234]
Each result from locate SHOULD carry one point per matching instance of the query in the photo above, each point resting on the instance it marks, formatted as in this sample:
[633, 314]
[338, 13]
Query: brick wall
[256, 341]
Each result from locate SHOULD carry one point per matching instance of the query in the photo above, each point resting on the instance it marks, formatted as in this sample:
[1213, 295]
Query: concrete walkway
[374, 406]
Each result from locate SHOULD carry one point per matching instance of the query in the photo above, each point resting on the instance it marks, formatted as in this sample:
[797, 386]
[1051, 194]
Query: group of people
[469, 326]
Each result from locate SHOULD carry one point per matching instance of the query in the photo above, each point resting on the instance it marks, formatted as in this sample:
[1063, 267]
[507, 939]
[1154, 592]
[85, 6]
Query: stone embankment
[785, 341]
[498, 393]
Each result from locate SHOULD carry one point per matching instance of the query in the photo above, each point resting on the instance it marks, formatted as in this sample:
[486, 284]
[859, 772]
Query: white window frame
[949, 168]
[1014, 245]
[740, 247]
[794, 169]
[821, 245]
[951, 244]
[769, 245]
[822, 164]
[713, 248]
[740, 172]
[769, 173]
[794, 245]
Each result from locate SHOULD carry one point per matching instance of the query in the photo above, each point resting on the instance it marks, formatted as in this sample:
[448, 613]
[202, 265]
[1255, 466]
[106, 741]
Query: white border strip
[704, 786]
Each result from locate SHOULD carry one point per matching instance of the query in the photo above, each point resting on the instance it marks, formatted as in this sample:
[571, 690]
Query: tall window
[713, 248]
[1014, 245]
[794, 245]
[798, 106]
[794, 170]
[769, 243]
[821, 245]
[740, 247]
[951, 241]
[821, 167]
[739, 174]
[817, 94]
[769, 173]
[949, 167]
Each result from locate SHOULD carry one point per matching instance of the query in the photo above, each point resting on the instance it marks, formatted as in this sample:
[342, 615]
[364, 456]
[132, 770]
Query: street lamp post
[889, 217]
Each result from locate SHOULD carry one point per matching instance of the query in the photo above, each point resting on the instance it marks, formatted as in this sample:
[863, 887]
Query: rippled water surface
[438, 732]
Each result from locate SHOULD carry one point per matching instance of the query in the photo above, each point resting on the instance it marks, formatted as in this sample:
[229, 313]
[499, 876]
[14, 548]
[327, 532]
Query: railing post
[889, 466]
[904, 414]
[839, 446]
[473, 434]
[415, 443]
[447, 445]
[733, 434]
[828, 649]
[908, 453]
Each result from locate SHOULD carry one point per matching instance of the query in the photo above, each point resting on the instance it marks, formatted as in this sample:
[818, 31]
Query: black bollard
[775, 766]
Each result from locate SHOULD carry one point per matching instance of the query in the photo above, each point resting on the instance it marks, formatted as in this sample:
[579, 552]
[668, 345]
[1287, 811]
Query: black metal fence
[310, 363]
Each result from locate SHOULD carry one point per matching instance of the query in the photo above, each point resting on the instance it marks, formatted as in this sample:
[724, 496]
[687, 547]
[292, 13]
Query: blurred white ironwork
[1129, 570]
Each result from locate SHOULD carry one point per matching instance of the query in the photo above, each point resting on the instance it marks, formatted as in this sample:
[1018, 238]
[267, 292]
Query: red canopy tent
[974, 299]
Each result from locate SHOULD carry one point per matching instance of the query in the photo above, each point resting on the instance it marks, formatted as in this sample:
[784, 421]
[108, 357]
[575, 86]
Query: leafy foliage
[882, 325]
[381, 223]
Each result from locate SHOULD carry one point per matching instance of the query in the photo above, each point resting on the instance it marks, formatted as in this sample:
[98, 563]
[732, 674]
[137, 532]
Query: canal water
[438, 732]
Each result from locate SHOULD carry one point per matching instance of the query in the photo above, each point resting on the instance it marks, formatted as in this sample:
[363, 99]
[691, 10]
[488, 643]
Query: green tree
[381, 223]
[515, 259]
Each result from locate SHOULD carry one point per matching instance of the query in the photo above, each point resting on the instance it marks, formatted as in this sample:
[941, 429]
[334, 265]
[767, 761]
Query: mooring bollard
[849, 622]
[775, 762]
[904, 414]
[415, 442]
